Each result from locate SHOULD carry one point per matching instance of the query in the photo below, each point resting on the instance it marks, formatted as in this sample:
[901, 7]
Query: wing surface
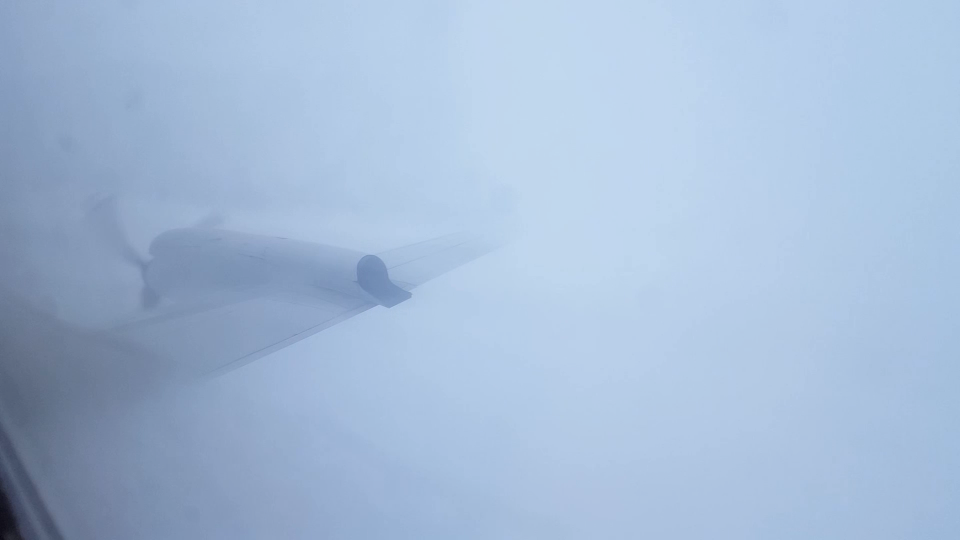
[414, 265]
[221, 335]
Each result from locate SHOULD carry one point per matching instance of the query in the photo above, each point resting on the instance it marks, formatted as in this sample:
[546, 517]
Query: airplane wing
[233, 329]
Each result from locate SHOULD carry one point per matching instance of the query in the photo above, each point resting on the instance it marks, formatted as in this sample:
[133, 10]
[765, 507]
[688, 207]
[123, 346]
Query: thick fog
[729, 308]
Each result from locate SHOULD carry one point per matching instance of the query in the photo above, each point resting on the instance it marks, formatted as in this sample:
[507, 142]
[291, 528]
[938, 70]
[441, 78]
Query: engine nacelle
[190, 260]
[372, 276]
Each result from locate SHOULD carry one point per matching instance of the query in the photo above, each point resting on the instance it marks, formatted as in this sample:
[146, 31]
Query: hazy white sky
[730, 311]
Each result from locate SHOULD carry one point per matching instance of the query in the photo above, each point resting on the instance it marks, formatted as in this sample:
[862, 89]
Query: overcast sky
[730, 310]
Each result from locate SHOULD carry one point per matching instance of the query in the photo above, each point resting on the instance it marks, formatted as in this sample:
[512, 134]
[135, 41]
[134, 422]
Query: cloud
[728, 311]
